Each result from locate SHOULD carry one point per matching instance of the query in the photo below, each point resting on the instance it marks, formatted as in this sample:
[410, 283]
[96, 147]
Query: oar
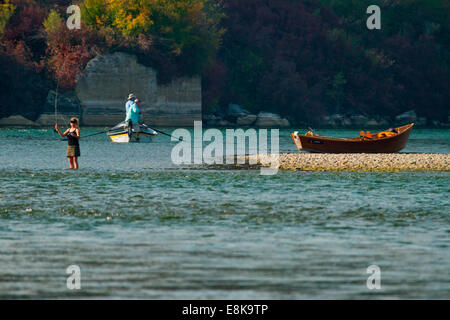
[167, 134]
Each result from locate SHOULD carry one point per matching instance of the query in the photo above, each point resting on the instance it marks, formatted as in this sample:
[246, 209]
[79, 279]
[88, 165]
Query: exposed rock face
[105, 83]
[178, 103]
[271, 120]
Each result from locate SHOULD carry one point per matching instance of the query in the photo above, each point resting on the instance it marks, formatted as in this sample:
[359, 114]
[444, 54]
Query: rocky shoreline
[234, 117]
[377, 162]
[237, 116]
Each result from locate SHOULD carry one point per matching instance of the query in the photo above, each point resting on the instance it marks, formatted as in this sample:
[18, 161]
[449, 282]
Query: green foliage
[53, 22]
[185, 31]
[336, 91]
[410, 55]
[6, 11]
[379, 59]
[245, 75]
[411, 17]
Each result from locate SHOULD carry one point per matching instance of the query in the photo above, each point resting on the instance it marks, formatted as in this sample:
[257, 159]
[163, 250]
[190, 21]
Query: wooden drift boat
[389, 141]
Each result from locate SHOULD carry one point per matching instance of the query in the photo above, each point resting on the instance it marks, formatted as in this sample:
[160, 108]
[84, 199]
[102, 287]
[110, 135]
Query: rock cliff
[105, 83]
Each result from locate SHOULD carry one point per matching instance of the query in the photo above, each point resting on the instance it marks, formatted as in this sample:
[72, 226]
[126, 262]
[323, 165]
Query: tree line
[302, 59]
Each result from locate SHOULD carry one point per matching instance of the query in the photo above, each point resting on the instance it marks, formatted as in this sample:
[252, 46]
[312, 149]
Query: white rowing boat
[123, 133]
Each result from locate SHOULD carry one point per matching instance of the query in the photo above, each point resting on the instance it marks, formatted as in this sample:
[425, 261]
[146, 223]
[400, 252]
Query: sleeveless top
[72, 141]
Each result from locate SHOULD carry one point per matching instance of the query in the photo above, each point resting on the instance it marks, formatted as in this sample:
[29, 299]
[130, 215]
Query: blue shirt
[128, 105]
[133, 113]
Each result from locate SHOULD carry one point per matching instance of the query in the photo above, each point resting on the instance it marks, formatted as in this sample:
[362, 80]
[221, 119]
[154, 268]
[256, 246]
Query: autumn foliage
[303, 59]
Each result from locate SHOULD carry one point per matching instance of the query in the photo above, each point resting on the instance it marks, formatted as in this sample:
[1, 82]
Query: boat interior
[367, 135]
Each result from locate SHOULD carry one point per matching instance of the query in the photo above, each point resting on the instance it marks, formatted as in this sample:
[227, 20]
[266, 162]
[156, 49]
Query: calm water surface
[140, 227]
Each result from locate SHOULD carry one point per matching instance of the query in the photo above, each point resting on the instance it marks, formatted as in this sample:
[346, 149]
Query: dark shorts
[73, 151]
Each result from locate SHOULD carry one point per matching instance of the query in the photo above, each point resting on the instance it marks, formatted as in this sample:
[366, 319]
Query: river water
[139, 226]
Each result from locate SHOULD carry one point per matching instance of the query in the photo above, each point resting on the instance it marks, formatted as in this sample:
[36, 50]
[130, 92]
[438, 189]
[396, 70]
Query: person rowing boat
[134, 114]
[130, 102]
[130, 129]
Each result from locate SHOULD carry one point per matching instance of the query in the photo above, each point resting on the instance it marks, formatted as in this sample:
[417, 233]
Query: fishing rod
[104, 131]
[56, 96]
[165, 133]
[93, 134]
[90, 135]
[56, 105]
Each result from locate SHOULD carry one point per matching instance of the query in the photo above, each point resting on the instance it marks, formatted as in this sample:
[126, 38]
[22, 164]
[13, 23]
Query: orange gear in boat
[385, 134]
[365, 136]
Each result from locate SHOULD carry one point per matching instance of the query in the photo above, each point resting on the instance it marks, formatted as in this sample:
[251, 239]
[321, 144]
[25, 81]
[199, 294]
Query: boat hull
[122, 133]
[354, 145]
[135, 137]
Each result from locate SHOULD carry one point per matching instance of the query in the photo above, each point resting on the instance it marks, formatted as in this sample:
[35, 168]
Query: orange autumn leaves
[176, 37]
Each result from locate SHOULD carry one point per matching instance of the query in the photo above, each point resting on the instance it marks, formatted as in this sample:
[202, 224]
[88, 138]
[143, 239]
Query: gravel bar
[360, 161]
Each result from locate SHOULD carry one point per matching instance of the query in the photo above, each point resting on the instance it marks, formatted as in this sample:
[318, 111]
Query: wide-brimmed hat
[131, 96]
